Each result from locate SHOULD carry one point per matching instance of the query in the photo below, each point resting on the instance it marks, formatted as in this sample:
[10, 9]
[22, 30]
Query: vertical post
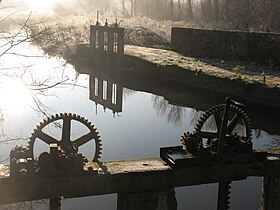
[110, 45]
[92, 42]
[163, 200]
[100, 88]
[223, 130]
[101, 46]
[120, 41]
[119, 97]
[270, 199]
[55, 204]
[109, 91]
[92, 37]
[224, 196]
[110, 41]
[92, 87]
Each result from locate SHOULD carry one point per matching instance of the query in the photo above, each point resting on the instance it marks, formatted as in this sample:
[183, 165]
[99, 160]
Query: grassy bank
[64, 33]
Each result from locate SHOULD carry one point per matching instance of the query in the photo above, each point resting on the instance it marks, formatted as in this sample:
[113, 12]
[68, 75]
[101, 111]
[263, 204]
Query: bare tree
[216, 10]
[190, 10]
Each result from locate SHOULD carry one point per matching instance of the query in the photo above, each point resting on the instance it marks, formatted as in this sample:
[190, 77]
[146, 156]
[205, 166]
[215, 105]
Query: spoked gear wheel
[66, 144]
[205, 137]
[238, 123]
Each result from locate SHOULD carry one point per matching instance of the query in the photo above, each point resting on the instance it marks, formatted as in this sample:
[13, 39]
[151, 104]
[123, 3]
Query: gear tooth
[203, 118]
[201, 121]
[208, 112]
[248, 120]
[197, 127]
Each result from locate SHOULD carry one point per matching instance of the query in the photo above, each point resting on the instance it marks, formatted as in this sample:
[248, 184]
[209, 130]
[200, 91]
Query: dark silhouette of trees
[245, 15]
[190, 10]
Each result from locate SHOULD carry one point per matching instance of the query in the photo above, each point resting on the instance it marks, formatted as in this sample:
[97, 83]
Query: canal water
[33, 86]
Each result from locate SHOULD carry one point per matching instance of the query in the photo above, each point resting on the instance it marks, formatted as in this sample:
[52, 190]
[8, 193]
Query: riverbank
[246, 82]
[255, 84]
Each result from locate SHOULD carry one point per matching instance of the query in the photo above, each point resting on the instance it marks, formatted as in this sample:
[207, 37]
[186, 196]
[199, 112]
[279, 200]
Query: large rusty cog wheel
[68, 145]
[238, 121]
[209, 124]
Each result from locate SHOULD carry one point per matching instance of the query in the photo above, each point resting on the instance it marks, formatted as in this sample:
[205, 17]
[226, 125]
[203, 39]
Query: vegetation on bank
[64, 33]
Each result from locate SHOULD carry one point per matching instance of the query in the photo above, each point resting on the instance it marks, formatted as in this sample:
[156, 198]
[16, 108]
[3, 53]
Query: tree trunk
[179, 8]
[158, 6]
[131, 7]
[123, 7]
[216, 10]
[209, 9]
[190, 10]
[171, 9]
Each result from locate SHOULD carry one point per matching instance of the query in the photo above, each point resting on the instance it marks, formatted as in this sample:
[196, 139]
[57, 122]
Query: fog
[245, 15]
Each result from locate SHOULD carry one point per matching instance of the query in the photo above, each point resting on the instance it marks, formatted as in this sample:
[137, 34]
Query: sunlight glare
[42, 4]
[14, 95]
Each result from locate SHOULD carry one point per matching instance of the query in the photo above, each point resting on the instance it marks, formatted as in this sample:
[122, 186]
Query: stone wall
[262, 48]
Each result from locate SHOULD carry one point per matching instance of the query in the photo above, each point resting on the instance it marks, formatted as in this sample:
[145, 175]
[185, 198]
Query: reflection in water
[174, 114]
[119, 142]
[14, 95]
[106, 93]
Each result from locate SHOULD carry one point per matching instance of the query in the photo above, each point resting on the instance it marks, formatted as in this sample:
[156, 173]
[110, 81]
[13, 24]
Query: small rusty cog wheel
[66, 144]
[208, 127]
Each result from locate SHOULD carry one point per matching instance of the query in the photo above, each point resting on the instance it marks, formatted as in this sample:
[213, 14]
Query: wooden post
[163, 200]
[55, 203]
[120, 51]
[270, 198]
[92, 42]
[99, 88]
[109, 91]
[101, 52]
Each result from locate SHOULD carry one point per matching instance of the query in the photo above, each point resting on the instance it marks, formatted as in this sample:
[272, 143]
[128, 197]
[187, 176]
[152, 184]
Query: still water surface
[146, 123]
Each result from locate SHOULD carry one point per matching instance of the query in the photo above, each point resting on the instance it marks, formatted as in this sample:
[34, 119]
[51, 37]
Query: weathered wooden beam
[163, 200]
[270, 199]
[133, 176]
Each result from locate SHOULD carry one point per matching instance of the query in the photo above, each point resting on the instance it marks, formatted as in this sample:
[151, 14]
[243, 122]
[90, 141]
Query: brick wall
[228, 45]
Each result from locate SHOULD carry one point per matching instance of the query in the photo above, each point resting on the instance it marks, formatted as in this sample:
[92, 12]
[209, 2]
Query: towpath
[213, 67]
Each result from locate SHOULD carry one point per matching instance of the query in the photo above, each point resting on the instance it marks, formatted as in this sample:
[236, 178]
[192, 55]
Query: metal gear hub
[203, 141]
